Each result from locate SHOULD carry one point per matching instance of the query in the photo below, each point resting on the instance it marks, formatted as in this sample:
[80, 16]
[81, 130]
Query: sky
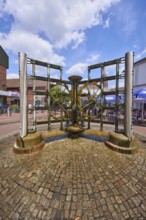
[72, 33]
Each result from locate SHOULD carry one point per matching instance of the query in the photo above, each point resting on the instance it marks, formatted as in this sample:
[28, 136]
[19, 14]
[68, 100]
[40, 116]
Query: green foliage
[58, 94]
[55, 92]
[14, 107]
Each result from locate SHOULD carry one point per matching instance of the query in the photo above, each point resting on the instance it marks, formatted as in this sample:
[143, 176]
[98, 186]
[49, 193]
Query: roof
[4, 59]
[140, 61]
[12, 83]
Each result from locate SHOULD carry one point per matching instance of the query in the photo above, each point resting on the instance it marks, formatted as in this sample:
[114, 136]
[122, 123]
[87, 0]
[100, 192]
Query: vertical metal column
[129, 59]
[101, 100]
[34, 96]
[48, 98]
[88, 99]
[23, 94]
[75, 102]
[61, 125]
[117, 97]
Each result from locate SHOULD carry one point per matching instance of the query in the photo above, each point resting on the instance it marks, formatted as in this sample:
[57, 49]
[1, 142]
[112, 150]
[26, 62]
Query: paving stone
[40, 190]
[71, 179]
[35, 212]
[32, 207]
[44, 215]
[125, 215]
[40, 214]
[66, 214]
[50, 195]
[68, 198]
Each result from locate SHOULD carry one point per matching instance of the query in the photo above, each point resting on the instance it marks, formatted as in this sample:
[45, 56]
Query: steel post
[75, 80]
[61, 111]
[117, 97]
[48, 98]
[129, 59]
[101, 100]
[34, 97]
[23, 94]
[89, 77]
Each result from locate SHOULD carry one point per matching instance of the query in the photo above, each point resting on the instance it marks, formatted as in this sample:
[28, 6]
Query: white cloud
[12, 76]
[33, 45]
[107, 23]
[55, 76]
[38, 28]
[62, 21]
[140, 55]
[136, 46]
[81, 68]
[76, 38]
[2, 4]
[77, 69]
[93, 58]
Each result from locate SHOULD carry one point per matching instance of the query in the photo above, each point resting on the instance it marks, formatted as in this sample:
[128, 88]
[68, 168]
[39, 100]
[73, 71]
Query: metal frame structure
[126, 75]
[103, 79]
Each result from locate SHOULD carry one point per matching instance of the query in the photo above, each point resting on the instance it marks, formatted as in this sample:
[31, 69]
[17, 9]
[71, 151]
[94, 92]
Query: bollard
[8, 112]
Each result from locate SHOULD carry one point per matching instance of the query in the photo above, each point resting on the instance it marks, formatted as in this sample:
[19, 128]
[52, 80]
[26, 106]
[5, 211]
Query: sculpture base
[120, 143]
[74, 131]
[51, 133]
[29, 144]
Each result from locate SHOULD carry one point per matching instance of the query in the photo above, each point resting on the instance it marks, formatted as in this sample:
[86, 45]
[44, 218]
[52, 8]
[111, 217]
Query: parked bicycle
[3, 110]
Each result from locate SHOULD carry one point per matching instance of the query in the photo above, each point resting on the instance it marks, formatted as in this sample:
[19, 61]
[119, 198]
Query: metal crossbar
[100, 81]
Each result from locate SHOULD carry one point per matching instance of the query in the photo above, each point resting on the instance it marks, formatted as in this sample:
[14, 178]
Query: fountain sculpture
[76, 114]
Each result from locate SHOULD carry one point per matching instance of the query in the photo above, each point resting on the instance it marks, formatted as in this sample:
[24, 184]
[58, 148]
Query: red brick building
[4, 64]
[13, 86]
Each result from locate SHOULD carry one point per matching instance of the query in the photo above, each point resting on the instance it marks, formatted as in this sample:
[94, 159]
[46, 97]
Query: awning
[139, 100]
[9, 93]
[140, 93]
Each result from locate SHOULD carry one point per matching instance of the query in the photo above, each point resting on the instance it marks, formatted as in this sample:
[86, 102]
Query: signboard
[9, 93]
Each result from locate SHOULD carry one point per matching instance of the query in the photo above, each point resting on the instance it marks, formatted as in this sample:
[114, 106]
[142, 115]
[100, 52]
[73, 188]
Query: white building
[139, 82]
[139, 78]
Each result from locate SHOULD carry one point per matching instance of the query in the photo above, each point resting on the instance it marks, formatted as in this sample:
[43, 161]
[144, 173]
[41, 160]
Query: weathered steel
[74, 79]
[108, 63]
[98, 121]
[128, 94]
[48, 97]
[40, 93]
[76, 112]
[89, 80]
[102, 97]
[46, 122]
[23, 94]
[61, 125]
[45, 64]
[106, 78]
[42, 78]
[117, 91]
[109, 107]
[117, 96]
[34, 97]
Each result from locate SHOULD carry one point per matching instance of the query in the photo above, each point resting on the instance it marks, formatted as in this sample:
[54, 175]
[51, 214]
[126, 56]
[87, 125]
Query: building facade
[139, 83]
[13, 89]
[13, 86]
[139, 79]
[4, 65]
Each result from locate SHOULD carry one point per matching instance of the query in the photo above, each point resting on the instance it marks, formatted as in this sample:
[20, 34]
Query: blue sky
[73, 34]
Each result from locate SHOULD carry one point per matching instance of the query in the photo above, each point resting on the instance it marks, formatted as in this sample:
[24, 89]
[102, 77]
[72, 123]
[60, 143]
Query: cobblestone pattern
[72, 179]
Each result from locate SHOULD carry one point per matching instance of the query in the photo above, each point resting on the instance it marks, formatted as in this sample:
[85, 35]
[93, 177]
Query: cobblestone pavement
[72, 179]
